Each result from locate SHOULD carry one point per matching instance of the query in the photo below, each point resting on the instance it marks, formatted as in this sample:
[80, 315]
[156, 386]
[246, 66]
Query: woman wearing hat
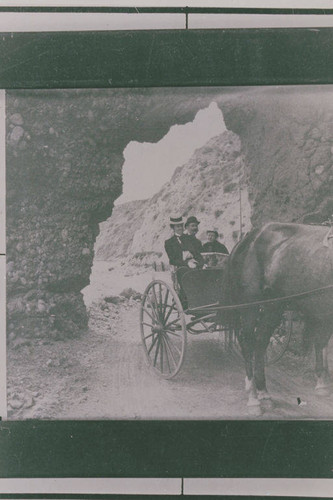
[212, 244]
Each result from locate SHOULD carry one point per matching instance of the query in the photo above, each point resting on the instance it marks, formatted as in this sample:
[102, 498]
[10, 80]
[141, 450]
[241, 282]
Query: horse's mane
[242, 245]
[234, 265]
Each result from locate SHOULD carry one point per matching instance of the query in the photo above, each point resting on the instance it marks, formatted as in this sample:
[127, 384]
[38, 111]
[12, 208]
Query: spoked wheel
[163, 329]
[280, 339]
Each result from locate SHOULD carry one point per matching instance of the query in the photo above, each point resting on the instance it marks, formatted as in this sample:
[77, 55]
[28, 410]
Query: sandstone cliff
[287, 141]
[208, 186]
[116, 233]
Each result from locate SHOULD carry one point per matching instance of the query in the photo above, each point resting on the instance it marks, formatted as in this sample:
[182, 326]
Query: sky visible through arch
[148, 166]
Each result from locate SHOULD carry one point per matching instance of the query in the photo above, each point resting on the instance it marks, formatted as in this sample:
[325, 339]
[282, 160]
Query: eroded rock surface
[64, 160]
[287, 139]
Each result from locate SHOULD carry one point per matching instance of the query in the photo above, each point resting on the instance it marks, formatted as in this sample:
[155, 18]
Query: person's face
[192, 228]
[178, 229]
[211, 237]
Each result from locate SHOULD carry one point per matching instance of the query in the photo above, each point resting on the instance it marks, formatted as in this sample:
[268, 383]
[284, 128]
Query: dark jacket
[194, 243]
[214, 246]
[175, 250]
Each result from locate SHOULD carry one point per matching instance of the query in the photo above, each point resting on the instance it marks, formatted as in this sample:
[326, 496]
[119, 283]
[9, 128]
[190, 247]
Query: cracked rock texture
[287, 141]
[64, 160]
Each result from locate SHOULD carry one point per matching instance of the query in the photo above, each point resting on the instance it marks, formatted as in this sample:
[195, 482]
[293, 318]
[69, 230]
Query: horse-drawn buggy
[197, 302]
[250, 295]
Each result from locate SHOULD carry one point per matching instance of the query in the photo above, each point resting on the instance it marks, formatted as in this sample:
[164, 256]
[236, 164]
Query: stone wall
[287, 140]
[64, 158]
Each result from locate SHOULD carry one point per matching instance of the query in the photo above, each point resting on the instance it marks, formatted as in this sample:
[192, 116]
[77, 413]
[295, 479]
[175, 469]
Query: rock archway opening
[153, 176]
[64, 159]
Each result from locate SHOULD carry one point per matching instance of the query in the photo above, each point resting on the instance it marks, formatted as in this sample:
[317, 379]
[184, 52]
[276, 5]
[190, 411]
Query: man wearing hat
[192, 227]
[212, 244]
[179, 248]
[182, 255]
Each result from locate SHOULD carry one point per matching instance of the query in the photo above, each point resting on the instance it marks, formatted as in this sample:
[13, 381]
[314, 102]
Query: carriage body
[204, 287]
[194, 304]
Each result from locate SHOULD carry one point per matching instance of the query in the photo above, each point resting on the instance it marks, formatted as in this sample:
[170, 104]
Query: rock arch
[64, 160]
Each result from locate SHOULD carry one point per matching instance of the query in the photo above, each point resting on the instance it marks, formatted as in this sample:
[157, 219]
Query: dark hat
[213, 231]
[192, 219]
[176, 220]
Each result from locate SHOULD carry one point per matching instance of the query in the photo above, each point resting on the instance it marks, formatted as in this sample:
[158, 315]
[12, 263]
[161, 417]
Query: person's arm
[195, 247]
[173, 260]
[199, 258]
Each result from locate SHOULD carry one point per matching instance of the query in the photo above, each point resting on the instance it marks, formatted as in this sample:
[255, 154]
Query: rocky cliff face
[208, 186]
[64, 155]
[287, 139]
[64, 159]
[117, 232]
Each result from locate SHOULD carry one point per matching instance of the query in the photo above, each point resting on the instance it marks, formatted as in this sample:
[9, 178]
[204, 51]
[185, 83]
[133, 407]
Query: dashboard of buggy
[214, 260]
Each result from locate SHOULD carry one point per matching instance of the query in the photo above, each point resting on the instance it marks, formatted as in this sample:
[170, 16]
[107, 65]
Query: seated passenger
[180, 248]
[212, 244]
[182, 256]
[191, 228]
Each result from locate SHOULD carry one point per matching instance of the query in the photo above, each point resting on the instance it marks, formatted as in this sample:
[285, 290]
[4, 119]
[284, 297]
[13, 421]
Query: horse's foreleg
[267, 322]
[253, 403]
[323, 387]
[245, 336]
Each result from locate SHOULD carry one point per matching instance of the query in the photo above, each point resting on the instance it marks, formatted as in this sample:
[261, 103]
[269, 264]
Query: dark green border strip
[174, 10]
[169, 449]
[148, 58]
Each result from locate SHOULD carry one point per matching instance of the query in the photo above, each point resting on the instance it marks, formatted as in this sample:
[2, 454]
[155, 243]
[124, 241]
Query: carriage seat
[202, 286]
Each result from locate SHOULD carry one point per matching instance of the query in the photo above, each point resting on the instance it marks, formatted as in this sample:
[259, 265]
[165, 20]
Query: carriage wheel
[163, 329]
[280, 339]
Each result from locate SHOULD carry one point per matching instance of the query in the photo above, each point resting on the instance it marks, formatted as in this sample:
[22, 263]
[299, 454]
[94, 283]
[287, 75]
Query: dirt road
[103, 375]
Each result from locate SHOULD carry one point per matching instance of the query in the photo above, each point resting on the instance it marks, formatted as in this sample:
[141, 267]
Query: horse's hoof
[265, 400]
[323, 391]
[254, 410]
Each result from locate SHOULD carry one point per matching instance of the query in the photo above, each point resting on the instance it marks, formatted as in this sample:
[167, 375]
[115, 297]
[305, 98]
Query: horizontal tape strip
[125, 486]
[259, 486]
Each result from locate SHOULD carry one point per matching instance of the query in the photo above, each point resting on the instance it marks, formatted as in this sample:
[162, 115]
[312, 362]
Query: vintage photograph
[170, 253]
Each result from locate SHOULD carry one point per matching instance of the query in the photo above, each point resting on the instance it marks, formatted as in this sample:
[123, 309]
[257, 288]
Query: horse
[281, 264]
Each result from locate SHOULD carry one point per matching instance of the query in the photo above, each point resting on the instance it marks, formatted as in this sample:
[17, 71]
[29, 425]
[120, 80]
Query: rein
[217, 306]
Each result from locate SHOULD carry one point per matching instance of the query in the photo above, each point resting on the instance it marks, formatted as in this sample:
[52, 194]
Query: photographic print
[169, 253]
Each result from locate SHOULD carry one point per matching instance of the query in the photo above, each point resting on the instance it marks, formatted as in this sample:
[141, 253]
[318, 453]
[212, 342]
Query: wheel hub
[157, 329]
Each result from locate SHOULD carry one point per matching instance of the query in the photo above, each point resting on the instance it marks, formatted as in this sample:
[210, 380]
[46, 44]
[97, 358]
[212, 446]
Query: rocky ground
[103, 373]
